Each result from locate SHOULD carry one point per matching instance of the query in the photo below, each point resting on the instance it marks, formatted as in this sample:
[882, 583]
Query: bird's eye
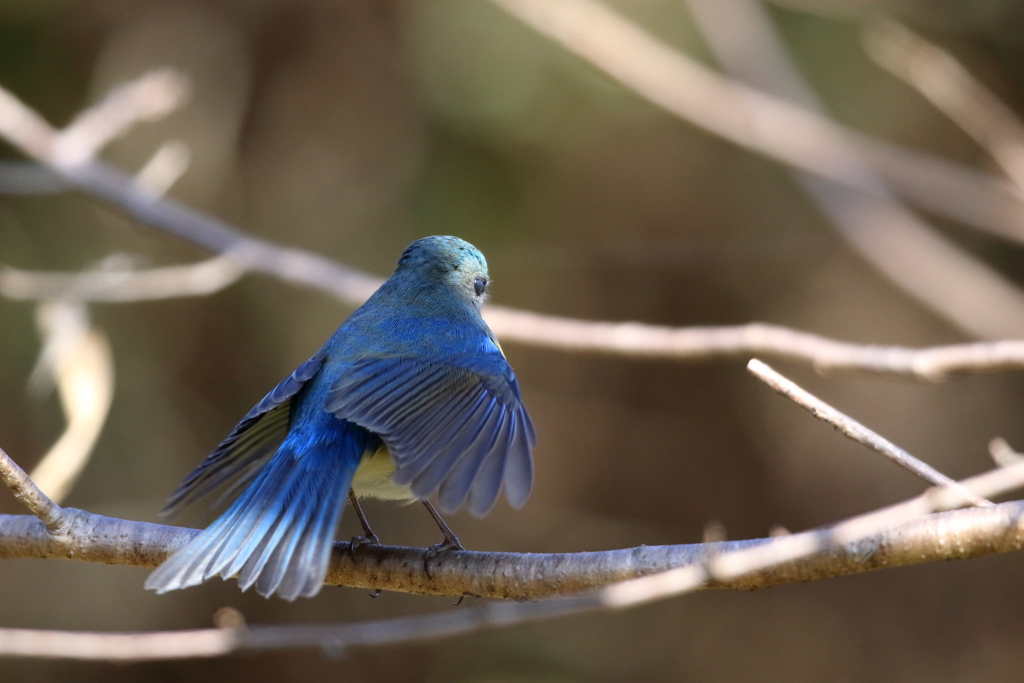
[479, 286]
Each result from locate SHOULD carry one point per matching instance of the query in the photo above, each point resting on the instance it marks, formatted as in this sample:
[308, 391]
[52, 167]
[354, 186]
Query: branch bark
[960, 534]
[978, 532]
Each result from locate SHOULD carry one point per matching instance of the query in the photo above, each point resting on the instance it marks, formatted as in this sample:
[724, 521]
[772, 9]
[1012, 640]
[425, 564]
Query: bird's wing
[249, 445]
[457, 427]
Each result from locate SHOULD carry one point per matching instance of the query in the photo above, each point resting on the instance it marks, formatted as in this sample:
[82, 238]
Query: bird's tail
[278, 534]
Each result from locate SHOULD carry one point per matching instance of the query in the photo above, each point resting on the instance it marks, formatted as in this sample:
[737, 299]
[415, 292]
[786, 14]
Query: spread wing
[250, 444]
[454, 427]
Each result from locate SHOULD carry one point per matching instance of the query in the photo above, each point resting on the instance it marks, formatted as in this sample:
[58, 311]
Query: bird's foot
[359, 541]
[450, 543]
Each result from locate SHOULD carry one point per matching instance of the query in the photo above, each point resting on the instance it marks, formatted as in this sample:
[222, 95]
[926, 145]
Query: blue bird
[410, 398]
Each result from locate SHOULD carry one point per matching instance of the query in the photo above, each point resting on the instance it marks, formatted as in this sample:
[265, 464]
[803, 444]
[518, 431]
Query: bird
[411, 398]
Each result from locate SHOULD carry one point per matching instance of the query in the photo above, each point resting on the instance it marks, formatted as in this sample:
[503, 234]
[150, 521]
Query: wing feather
[249, 446]
[457, 427]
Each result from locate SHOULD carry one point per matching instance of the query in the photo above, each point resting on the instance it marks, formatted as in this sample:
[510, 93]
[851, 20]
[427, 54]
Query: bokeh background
[352, 127]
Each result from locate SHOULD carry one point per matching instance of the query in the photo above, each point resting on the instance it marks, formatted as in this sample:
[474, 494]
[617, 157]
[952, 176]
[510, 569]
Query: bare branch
[150, 97]
[760, 122]
[95, 538]
[849, 427]
[852, 547]
[1002, 453]
[116, 646]
[77, 357]
[938, 76]
[929, 267]
[29, 495]
[702, 343]
[23, 128]
[164, 168]
[114, 280]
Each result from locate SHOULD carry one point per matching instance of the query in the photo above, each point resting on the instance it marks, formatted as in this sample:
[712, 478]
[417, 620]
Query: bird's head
[450, 262]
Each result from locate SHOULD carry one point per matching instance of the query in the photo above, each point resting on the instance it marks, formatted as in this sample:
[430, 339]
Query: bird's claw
[444, 546]
[359, 541]
[449, 544]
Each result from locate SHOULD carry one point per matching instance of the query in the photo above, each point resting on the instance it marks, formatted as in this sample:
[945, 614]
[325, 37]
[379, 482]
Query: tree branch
[28, 494]
[952, 89]
[856, 431]
[762, 123]
[900, 245]
[23, 128]
[115, 281]
[978, 532]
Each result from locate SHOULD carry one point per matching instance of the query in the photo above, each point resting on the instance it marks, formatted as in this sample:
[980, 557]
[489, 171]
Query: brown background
[353, 127]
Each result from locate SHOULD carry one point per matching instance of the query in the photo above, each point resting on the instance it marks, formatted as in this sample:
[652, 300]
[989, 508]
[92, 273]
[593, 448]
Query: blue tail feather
[277, 535]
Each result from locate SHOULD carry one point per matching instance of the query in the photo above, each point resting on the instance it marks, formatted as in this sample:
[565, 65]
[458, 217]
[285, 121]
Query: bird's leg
[369, 538]
[450, 542]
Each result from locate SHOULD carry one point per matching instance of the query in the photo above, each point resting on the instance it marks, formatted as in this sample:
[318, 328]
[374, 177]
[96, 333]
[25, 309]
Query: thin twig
[853, 534]
[938, 76]
[701, 343]
[29, 495]
[147, 98]
[1003, 454]
[849, 427]
[164, 168]
[114, 282]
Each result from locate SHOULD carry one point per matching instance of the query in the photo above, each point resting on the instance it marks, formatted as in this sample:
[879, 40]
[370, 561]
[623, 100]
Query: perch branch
[859, 545]
[94, 538]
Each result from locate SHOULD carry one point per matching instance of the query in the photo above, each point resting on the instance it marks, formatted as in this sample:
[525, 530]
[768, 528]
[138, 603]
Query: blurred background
[352, 127]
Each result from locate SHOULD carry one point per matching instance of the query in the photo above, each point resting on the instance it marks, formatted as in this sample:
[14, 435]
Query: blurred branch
[164, 168]
[77, 357]
[856, 431]
[908, 252]
[23, 128]
[148, 98]
[929, 267]
[115, 280]
[25, 177]
[938, 76]
[786, 132]
[742, 341]
[1002, 453]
